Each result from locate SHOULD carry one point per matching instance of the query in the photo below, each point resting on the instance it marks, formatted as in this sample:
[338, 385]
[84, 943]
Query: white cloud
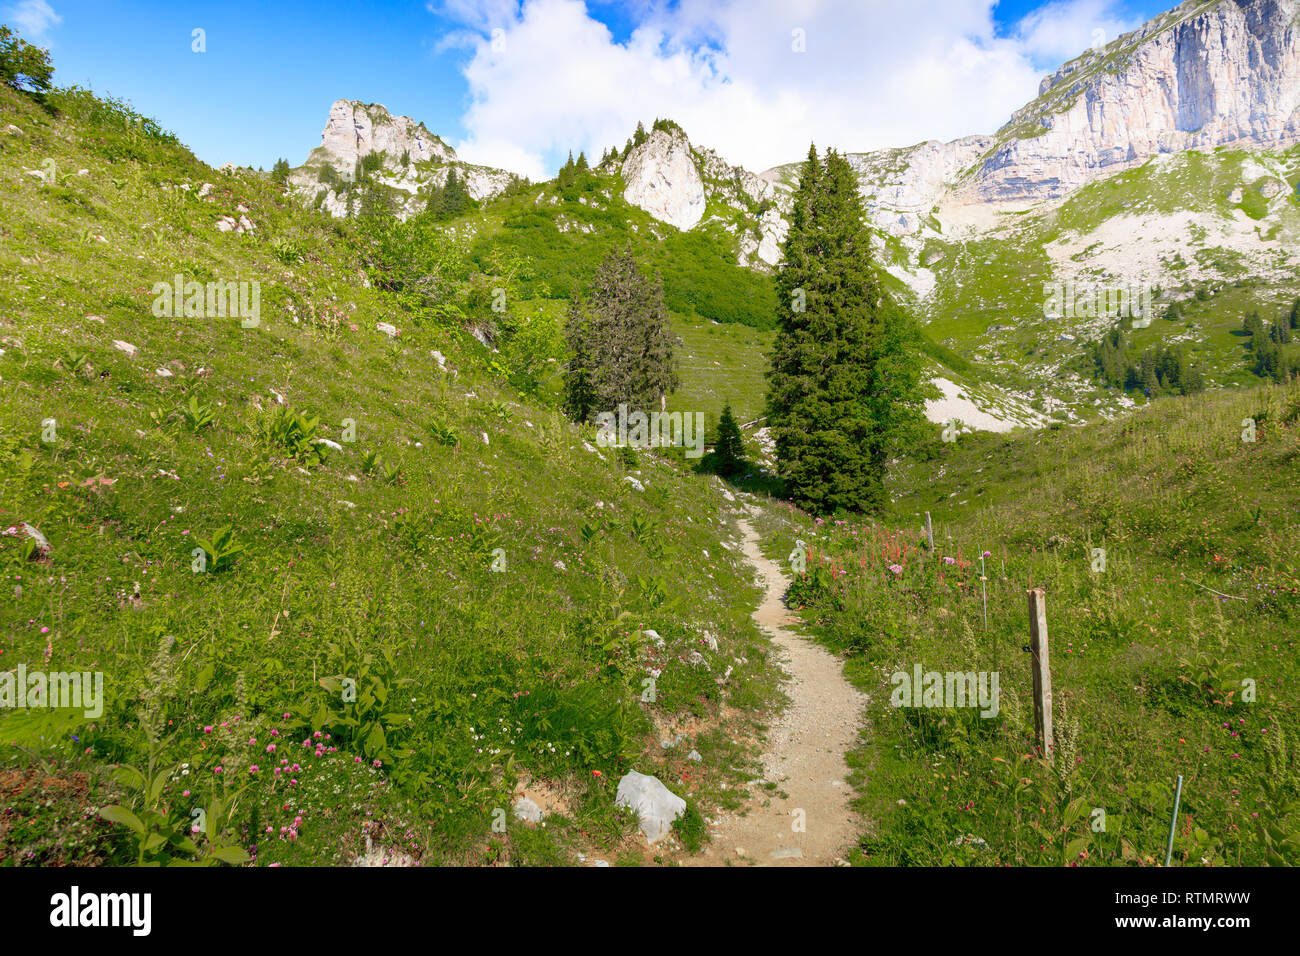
[875, 73]
[32, 18]
[1060, 31]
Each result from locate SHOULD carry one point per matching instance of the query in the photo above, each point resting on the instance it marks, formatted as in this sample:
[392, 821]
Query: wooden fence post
[1042, 671]
[929, 531]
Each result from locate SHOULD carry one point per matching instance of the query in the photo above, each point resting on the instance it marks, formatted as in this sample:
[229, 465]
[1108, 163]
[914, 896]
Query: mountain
[1156, 173]
[1161, 167]
[1208, 74]
[396, 153]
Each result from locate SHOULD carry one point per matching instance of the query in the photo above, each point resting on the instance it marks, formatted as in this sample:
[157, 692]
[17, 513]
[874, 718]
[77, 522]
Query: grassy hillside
[487, 582]
[1152, 654]
[1212, 232]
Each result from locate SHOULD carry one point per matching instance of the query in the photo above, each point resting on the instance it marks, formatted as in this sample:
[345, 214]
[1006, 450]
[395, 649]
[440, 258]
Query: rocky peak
[356, 129]
[662, 178]
[413, 160]
[674, 182]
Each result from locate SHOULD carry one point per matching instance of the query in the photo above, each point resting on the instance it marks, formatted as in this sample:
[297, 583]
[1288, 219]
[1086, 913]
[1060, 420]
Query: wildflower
[896, 568]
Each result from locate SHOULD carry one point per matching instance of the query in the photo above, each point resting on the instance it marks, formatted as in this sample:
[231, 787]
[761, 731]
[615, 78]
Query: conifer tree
[730, 447]
[845, 388]
[619, 340]
[1253, 325]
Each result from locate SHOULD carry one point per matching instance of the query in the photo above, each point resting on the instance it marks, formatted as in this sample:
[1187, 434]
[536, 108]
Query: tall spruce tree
[619, 340]
[845, 388]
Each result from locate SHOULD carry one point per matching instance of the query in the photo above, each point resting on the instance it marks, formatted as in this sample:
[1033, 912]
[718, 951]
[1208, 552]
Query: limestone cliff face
[1208, 73]
[355, 129]
[412, 159]
[674, 182]
[662, 178]
[901, 186]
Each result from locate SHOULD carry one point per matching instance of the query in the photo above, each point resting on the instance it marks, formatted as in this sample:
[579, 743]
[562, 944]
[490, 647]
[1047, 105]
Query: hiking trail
[803, 754]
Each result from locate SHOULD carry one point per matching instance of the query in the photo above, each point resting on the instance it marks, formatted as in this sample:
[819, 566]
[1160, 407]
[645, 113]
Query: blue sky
[517, 85]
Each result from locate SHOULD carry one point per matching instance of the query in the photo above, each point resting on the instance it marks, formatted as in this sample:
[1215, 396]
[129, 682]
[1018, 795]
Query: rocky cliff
[409, 159]
[662, 178]
[1208, 73]
[676, 183]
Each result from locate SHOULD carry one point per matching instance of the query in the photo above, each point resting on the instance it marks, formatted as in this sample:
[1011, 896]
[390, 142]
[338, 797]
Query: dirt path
[804, 756]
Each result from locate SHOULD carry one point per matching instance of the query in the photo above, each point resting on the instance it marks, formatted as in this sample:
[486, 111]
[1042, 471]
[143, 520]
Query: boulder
[654, 804]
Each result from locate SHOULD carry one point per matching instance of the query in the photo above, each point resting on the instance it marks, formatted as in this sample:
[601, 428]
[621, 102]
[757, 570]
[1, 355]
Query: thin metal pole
[984, 594]
[1173, 824]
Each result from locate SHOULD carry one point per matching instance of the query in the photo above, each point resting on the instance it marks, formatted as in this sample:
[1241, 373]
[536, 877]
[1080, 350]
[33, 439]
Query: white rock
[163, 372]
[126, 347]
[226, 224]
[329, 444]
[654, 804]
[663, 179]
[527, 810]
[42, 543]
[387, 328]
[440, 359]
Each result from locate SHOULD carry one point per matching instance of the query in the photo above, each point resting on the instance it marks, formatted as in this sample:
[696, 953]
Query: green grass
[721, 364]
[372, 563]
[566, 235]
